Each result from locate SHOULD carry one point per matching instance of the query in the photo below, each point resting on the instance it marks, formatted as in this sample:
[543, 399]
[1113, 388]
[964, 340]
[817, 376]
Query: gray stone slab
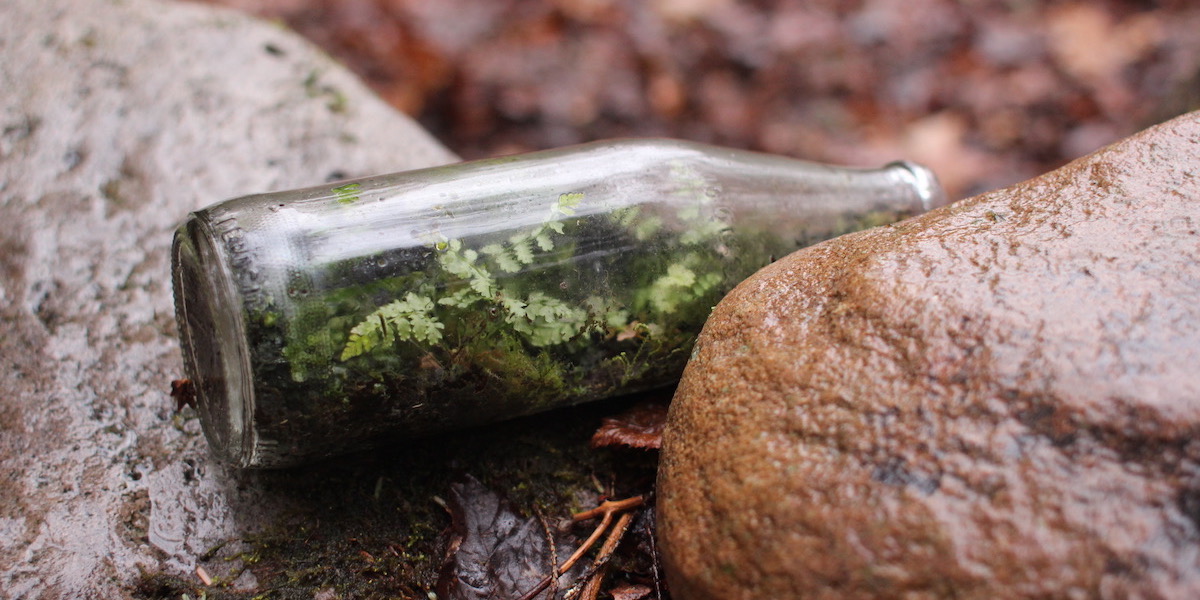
[116, 119]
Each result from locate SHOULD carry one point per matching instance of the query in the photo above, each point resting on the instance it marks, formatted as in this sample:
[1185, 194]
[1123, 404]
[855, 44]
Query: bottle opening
[929, 190]
[212, 334]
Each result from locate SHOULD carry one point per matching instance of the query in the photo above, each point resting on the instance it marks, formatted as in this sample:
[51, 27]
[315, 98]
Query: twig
[205, 578]
[211, 552]
[653, 555]
[606, 510]
[566, 566]
[609, 507]
[553, 552]
[595, 576]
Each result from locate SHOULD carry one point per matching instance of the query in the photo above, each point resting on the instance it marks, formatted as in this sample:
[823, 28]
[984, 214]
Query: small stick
[553, 552]
[566, 566]
[597, 569]
[205, 578]
[606, 510]
[653, 558]
[609, 507]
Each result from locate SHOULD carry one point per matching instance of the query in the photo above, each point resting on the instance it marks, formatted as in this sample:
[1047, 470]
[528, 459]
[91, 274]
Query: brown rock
[998, 399]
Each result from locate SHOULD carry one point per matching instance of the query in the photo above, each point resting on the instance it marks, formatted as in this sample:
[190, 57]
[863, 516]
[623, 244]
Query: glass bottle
[322, 320]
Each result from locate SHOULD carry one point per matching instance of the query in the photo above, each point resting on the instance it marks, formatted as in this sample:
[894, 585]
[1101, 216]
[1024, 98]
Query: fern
[642, 226]
[514, 307]
[410, 319]
[542, 237]
[505, 258]
[522, 249]
[460, 299]
[680, 285]
[461, 263]
[518, 252]
[547, 321]
[537, 318]
[566, 204]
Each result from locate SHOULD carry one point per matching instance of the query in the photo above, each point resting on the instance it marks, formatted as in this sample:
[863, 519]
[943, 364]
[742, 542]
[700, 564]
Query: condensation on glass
[323, 320]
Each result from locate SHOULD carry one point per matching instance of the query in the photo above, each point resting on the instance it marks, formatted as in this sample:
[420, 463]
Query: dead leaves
[638, 427]
[184, 393]
[1012, 92]
[494, 553]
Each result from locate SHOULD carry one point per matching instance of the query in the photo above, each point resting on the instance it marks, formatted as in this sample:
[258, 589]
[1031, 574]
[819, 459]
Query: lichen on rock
[117, 119]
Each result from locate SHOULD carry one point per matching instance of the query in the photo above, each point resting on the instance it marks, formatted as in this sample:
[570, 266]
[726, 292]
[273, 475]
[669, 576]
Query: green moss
[585, 304]
[455, 329]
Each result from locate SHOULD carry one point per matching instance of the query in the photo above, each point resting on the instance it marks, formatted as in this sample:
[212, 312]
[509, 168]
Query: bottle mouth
[212, 334]
[925, 182]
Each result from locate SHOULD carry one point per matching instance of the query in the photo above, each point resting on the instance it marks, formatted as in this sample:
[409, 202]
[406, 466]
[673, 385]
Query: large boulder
[1000, 398]
[117, 118]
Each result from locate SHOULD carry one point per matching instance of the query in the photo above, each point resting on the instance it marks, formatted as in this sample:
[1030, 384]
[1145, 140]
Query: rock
[1000, 398]
[118, 119]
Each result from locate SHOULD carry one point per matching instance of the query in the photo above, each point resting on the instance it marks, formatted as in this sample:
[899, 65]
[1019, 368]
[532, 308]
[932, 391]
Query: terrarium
[322, 320]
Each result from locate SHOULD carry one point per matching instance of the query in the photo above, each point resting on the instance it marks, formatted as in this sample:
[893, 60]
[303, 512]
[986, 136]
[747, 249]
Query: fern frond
[410, 319]
[460, 299]
[543, 239]
[503, 257]
[566, 203]
[671, 289]
[522, 249]
[513, 306]
[548, 320]
[364, 337]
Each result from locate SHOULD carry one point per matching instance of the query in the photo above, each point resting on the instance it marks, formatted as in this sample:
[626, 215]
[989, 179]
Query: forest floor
[987, 92]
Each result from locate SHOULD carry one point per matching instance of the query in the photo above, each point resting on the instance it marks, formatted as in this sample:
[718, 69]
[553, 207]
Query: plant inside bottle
[317, 321]
[513, 322]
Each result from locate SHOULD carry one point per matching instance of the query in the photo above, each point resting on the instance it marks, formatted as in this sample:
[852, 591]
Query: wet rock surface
[118, 119]
[997, 399]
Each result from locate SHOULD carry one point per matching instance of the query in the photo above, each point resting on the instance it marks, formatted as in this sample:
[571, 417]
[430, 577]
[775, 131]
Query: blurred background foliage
[987, 92]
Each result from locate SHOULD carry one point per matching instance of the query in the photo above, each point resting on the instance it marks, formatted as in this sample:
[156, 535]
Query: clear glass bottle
[322, 320]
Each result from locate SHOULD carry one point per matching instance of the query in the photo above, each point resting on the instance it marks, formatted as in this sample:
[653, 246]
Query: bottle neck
[814, 201]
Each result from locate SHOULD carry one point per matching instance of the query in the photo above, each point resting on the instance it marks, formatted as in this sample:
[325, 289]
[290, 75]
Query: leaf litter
[495, 553]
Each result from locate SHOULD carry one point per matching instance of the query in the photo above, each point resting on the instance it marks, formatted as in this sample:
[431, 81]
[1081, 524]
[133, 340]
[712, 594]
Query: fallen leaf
[630, 591]
[184, 393]
[494, 552]
[638, 427]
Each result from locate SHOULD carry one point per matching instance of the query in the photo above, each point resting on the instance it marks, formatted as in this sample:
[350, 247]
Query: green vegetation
[347, 193]
[590, 301]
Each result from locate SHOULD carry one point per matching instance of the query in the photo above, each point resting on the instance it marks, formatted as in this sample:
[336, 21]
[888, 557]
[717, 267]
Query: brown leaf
[494, 552]
[638, 427]
[184, 393]
[630, 591]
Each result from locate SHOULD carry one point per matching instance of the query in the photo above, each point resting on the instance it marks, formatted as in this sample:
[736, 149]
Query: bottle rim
[925, 183]
[210, 315]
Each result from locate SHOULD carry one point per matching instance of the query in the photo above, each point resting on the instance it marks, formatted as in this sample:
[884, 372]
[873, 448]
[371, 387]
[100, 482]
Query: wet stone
[120, 118]
[997, 399]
